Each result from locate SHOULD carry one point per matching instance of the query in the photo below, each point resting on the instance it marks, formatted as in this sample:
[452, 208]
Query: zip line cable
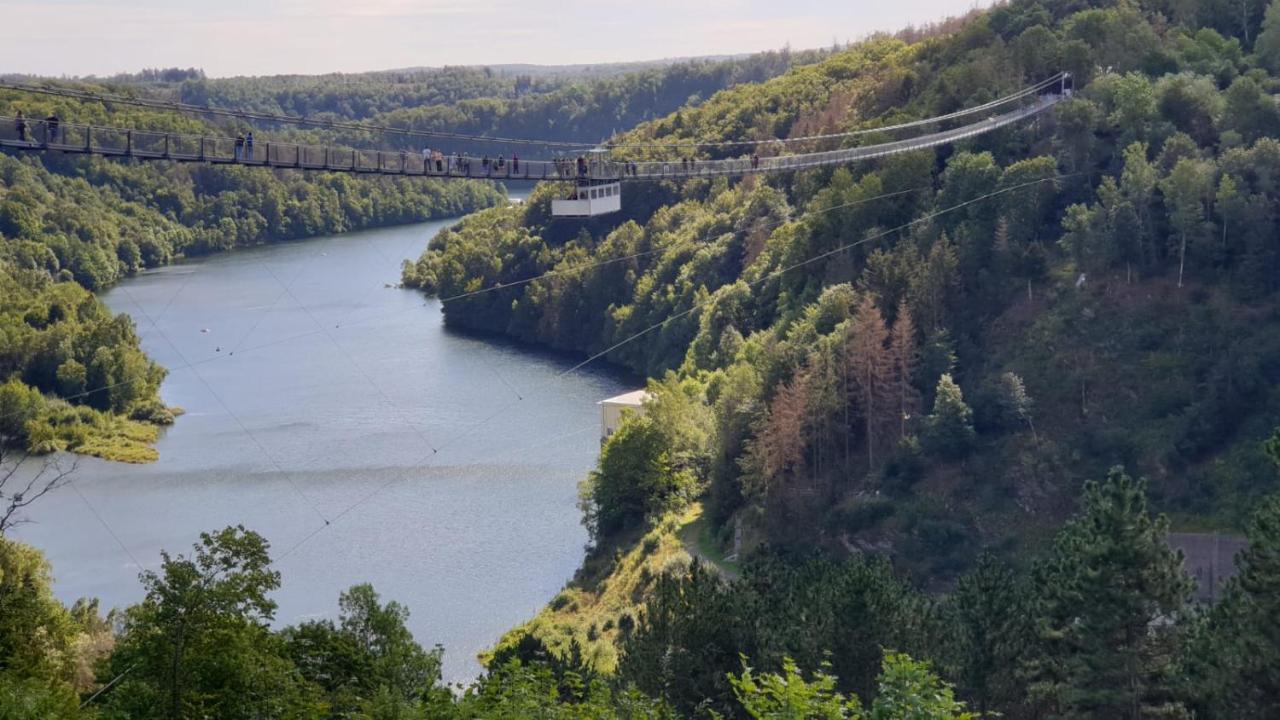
[346, 354]
[102, 521]
[226, 408]
[696, 306]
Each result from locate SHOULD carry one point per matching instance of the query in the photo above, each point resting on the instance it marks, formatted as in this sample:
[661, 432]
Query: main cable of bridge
[1026, 91]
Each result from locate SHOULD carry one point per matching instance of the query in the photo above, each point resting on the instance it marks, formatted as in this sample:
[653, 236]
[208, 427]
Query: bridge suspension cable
[1058, 79]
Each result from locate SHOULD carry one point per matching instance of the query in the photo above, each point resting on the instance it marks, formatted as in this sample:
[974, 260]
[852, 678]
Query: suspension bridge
[596, 173]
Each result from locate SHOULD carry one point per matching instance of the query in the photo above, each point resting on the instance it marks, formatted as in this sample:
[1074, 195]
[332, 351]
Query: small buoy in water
[204, 330]
[218, 349]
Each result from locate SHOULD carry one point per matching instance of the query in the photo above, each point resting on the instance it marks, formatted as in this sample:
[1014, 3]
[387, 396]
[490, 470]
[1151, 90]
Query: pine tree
[903, 354]
[949, 430]
[872, 370]
[1015, 402]
[781, 443]
[933, 288]
[988, 611]
[1107, 597]
[1233, 662]
[1267, 46]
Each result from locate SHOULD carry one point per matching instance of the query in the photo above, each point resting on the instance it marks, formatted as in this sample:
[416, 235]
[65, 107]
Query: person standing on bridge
[20, 125]
[248, 146]
[51, 128]
[239, 148]
[515, 163]
[426, 158]
[755, 162]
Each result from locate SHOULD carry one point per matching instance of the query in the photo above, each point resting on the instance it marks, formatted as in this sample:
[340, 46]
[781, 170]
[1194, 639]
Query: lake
[314, 390]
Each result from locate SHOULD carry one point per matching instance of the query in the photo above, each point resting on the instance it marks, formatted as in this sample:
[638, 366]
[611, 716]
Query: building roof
[635, 398]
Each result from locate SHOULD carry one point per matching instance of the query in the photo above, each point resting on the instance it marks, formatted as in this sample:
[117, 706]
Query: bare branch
[51, 475]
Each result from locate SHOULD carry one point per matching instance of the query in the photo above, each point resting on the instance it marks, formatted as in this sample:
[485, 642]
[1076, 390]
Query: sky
[266, 37]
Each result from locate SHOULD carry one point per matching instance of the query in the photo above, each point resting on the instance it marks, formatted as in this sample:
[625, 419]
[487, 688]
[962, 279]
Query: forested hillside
[580, 104]
[945, 381]
[945, 384]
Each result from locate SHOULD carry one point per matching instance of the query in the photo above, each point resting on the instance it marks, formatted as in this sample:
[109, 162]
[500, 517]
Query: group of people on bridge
[433, 161]
[48, 126]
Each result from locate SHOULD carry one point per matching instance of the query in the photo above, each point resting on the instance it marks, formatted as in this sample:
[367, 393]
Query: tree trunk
[1182, 258]
[175, 710]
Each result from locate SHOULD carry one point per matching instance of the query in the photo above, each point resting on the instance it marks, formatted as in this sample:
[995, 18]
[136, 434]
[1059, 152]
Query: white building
[611, 411]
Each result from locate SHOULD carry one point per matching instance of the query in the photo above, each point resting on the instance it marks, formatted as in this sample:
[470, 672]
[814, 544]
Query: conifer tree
[1108, 595]
[1267, 46]
[1233, 662]
[872, 370]
[988, 613]
[781, 443]
[949, 430]
[903, 354]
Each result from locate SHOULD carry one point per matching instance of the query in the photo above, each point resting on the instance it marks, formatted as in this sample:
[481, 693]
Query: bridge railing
[152, 145]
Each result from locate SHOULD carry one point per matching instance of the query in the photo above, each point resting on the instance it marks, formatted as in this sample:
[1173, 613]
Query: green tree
[1107, 598]
[949, 429]
[1188, 190]
[198, 645]
[1233, 659]
[788, 696]
[37, 639]
[635, 478]
[369, 659]
[907, 690]
[989, 612]
[1267, 46]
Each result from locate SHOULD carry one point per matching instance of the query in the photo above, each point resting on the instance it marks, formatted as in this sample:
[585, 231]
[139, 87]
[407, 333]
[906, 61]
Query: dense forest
[580, 104]
[946, 380]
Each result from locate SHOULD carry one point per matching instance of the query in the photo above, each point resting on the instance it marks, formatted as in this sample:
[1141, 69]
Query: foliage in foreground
[199, 645]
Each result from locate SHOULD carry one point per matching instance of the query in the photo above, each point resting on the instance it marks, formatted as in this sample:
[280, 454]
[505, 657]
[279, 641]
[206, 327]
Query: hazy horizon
[274, 37]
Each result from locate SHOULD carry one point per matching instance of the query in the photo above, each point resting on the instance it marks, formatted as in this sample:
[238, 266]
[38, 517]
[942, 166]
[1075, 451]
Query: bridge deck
[148, 145]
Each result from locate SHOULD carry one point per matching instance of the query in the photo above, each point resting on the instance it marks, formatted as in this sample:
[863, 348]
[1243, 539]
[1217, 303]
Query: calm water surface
[313, 391]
